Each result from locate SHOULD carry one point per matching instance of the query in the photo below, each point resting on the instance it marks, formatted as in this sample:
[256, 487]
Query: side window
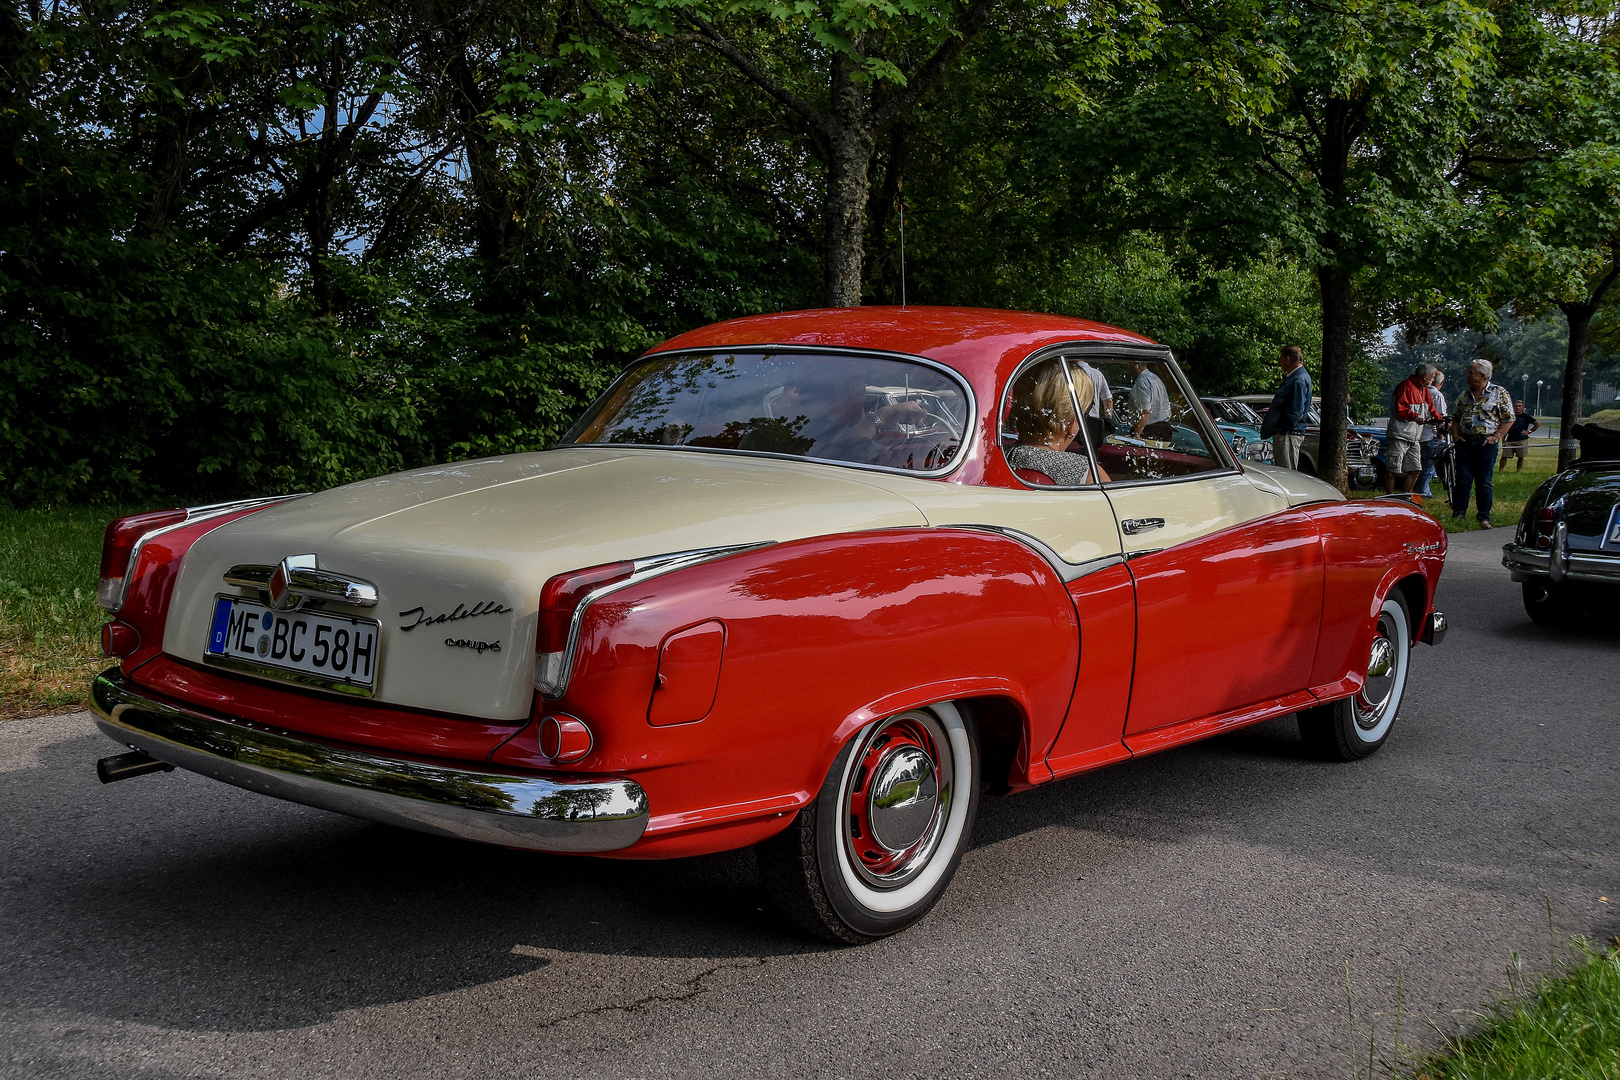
[1040, 426]
[1154, 431]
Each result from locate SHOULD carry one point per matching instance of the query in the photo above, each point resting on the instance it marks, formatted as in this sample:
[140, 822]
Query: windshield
[1233, 412]
[859, 410]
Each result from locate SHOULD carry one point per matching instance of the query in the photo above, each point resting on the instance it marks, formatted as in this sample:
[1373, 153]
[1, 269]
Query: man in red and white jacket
[1410, 409]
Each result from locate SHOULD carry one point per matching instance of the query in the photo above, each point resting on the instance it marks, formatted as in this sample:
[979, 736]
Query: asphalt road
[1213, 911]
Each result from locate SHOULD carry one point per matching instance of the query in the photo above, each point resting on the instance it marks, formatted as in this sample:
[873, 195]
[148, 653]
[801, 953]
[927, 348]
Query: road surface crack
[690, 988]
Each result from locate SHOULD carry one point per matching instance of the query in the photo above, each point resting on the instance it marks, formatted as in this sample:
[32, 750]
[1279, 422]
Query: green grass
[50, 625]
[1568, 1026]
[1511, 490]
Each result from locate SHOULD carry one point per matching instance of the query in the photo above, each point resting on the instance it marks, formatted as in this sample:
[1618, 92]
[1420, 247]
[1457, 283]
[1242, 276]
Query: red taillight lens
[119, 639]
[117, 546]
[1546, 523]
[562, 595]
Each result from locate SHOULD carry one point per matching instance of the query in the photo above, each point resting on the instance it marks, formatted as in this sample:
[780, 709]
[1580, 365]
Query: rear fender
[821, 637]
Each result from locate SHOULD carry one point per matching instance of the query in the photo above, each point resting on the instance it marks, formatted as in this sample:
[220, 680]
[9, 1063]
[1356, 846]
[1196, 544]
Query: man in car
[1288, 415]
[1410, 409]
[1482, 415]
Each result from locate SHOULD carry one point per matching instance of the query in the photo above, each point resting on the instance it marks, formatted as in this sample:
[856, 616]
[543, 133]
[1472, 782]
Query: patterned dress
[1061, 467]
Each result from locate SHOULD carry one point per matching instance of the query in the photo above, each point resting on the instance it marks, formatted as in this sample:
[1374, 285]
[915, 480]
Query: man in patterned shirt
[1482, 415]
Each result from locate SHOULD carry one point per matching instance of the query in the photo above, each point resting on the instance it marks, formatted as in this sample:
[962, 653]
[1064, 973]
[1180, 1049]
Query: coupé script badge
[483, 607]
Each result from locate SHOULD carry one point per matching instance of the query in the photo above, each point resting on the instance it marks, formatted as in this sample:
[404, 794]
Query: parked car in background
[811, 582]
[1241, 426]
[1565, 553]
[1359, 451]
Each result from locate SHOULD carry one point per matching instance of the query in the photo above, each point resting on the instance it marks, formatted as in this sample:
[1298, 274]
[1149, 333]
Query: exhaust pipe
[127, 765]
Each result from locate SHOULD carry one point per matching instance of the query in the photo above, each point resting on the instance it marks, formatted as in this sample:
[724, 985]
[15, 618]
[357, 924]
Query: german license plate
[1366, 472]
[313, 647]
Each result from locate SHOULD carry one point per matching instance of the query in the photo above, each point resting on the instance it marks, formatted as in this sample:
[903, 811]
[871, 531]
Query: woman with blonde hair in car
[1043, 415]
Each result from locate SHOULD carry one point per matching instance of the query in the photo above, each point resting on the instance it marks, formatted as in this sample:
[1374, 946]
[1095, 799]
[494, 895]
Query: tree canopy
[283, 245]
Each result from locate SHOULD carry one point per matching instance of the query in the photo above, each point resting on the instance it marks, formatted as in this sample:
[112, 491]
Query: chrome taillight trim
[112, 598]
[552, 670]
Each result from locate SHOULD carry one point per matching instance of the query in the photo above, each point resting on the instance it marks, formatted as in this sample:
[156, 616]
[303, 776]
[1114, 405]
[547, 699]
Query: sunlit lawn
[49, 623]
[1512, 489]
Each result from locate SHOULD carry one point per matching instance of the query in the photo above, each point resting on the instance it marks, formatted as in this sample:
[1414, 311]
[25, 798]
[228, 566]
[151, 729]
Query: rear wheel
[1357, 726]
[1546, 603]
[882, 840]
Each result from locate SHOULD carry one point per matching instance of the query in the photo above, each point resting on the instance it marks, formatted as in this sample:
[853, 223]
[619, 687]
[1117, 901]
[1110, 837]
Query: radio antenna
[902, 253]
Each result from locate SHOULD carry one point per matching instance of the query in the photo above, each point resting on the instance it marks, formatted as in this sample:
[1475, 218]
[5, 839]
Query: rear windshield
[855, 409]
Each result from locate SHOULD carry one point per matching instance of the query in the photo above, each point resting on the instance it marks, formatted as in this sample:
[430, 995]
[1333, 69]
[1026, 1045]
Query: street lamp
[1525, 396]
[1539, 384]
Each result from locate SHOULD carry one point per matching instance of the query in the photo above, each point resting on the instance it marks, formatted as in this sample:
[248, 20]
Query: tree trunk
[1580, 336]
[850, 148]
[1335, 386]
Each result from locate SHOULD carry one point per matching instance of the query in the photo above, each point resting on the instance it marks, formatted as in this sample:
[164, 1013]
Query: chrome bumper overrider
[1559, 564]
[515, 810]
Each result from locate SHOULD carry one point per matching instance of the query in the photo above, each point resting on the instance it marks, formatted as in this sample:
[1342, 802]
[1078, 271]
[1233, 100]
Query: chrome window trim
[194, 514]
[1102, 349]
[963, 449]
[645, 569]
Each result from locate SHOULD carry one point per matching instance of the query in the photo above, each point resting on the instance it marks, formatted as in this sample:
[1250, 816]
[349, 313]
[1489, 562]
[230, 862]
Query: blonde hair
[1042, 408]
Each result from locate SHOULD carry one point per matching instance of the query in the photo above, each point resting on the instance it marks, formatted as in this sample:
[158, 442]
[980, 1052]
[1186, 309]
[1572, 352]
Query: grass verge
[50, 626]
[1510, 491]
[1566, 1026]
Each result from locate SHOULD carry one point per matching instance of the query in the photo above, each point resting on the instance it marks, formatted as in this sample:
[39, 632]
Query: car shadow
[216, 909]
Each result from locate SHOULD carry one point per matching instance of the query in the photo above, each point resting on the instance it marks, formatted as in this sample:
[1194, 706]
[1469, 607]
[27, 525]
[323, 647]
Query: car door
[1228, 581]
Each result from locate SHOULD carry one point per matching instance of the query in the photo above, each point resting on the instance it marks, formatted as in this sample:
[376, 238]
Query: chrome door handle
[1132, 526]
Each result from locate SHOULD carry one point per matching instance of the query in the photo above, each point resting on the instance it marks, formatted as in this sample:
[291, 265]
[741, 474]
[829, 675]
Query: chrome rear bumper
[1559, 564]
[521, 811]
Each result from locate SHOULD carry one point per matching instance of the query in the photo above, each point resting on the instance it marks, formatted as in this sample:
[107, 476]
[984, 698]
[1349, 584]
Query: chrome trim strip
[194, 514]
[538, 813]
[1064, 569]
[643, 570]
[963, 450]
[1526, 563]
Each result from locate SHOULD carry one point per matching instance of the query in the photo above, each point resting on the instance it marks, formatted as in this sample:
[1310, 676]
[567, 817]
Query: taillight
[559, 600]
[118, 547]
[1546, 523]
[119, 639]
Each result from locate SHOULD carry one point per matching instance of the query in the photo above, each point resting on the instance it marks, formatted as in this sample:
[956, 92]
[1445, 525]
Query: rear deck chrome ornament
[298, 578]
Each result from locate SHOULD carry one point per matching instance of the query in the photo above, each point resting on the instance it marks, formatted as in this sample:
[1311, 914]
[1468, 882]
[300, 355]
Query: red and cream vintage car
[811, 581]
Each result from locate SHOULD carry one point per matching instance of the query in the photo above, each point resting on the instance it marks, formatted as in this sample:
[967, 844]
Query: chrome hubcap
[903, 798]
[1373, 700]
[897, 794]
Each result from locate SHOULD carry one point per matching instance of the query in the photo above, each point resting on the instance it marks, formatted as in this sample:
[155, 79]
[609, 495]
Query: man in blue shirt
[1290, 409]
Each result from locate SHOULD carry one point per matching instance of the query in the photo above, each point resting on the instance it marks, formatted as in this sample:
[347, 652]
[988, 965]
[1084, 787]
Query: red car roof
[974, 341]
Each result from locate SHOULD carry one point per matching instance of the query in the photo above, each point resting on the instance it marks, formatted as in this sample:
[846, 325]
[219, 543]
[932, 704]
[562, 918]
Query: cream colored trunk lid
[492, 532]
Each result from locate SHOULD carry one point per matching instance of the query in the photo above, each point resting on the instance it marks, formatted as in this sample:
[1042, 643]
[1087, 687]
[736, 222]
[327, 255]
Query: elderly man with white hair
[1482, 415]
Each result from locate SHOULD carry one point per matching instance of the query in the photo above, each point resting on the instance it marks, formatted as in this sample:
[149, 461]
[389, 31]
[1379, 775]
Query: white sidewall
[1403, 645]
[919, 887]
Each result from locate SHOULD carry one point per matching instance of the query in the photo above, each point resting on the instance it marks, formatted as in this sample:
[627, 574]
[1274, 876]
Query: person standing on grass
[1482, 415]
[1429, 448]
[1289, 412]
[1410, 409]
[1517, 443]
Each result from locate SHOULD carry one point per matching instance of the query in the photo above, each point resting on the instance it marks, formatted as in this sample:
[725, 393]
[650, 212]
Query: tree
[1544, 167]
[1327, 133]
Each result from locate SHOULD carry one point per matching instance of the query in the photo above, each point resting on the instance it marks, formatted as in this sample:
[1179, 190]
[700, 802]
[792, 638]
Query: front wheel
[1357, 726]
[881, 841]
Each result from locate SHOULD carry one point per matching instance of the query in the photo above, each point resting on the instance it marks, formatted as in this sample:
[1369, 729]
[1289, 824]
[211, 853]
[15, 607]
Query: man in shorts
[1517, 444]
[1410, 408]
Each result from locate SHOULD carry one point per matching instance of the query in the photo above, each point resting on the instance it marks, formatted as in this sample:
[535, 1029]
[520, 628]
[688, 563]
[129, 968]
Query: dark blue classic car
[1566, 552]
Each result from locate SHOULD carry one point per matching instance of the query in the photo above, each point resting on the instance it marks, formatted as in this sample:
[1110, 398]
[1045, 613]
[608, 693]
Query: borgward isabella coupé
[809, 581]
